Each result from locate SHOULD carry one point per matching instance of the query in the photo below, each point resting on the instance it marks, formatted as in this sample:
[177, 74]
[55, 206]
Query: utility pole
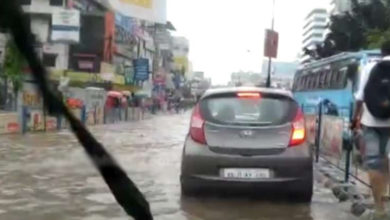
[268, 83]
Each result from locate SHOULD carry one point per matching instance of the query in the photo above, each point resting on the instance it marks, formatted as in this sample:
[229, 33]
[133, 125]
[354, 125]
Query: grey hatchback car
[249, 139]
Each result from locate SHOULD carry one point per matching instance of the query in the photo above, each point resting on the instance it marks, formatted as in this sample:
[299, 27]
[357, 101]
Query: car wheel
[303, 191]
[187, 190]
[304, 196]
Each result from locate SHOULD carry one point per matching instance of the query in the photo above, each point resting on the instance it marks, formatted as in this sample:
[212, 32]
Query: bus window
[301, 83]
[342, 78]
[333, 81]
[312, 81]
[328, 77]
[297, 83]
[307, 83]
[353, 75]
[315, 81]
[318, 80]
[322, 79]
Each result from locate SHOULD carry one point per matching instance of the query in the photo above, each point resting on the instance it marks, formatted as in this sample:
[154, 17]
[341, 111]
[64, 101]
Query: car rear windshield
[258, 111]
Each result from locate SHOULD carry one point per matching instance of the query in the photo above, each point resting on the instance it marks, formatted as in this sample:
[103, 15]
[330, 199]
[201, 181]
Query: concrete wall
[41, 14]
[41, 7]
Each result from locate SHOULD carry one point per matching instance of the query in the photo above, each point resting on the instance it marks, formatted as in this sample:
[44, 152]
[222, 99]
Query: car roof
[218, 91]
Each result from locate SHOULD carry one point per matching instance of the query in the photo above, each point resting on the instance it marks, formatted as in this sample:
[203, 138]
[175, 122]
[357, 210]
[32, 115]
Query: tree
[376, 20]
[367, 26]
[374, 15]
[13, 66]
[346, 33]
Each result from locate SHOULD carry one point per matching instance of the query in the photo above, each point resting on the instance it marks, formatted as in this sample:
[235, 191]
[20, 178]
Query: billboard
[66, 26]
[150, 10]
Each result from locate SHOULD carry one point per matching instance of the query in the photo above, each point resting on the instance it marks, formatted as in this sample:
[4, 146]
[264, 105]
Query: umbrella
[114, 94]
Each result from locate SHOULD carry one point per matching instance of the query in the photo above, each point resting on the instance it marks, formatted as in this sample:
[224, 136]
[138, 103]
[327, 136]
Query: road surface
[46, 176]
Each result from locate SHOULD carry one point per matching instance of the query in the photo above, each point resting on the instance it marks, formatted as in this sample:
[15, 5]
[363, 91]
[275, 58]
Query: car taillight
[197, 126]
[298, 133]
[253, 95]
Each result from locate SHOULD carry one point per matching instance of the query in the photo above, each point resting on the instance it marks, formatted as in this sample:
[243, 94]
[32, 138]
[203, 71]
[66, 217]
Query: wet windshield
[194, 109]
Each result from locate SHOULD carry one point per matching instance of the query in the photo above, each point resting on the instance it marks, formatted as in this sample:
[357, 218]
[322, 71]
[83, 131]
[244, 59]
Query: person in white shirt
[376, 134]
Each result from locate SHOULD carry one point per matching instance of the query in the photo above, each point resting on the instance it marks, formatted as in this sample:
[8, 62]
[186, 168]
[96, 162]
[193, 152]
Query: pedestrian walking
[372, 118]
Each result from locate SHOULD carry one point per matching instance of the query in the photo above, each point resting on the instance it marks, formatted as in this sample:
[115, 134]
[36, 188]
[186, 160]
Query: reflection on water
[236, 208]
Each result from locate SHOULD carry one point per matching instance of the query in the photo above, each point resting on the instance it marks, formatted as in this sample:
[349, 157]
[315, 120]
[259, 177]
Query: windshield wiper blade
[122, 187]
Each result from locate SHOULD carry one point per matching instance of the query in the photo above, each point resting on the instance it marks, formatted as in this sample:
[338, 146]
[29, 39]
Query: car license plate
[237, 173]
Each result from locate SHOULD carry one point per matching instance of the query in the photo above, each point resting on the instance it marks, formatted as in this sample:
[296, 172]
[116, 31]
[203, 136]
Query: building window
[56, 2]
[49, 59]
[25, 2]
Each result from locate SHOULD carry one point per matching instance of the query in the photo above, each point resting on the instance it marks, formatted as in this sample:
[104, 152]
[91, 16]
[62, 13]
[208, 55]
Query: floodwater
[46, 176]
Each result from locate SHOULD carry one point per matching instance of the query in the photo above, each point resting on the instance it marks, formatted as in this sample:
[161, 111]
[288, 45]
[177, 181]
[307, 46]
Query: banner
[150, 10]
[141, 69]
[66, 26]
[271, 43]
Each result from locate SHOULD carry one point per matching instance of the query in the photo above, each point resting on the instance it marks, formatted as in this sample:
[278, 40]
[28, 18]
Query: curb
[345, 192]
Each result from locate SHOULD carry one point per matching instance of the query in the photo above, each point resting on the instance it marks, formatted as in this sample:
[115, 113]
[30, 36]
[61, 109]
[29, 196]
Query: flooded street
[47, 176]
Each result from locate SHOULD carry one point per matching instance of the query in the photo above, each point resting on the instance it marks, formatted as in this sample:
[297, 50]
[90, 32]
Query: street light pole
[268, 83]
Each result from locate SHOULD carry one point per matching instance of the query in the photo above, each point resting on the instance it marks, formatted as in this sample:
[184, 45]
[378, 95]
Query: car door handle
[213, 131]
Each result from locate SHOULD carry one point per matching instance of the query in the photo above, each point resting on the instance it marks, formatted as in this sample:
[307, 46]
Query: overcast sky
[227, 35]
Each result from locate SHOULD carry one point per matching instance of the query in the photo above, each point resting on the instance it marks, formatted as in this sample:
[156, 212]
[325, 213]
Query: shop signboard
[51, 123]
[150, 10]
[66, 26]
[129, 75]
[141, 69]
[9, 123]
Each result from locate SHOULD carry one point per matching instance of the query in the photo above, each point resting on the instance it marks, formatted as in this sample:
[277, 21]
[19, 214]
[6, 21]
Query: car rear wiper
[122, 187]
[261, 123]
[255, 124]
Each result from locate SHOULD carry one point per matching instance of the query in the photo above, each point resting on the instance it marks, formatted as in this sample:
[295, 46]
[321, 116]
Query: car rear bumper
[202, 183]
[201, 167]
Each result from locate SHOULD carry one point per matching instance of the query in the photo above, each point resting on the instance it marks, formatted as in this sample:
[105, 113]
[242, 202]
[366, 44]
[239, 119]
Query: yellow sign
[140, 3]
[181, 63]
[118, 79]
